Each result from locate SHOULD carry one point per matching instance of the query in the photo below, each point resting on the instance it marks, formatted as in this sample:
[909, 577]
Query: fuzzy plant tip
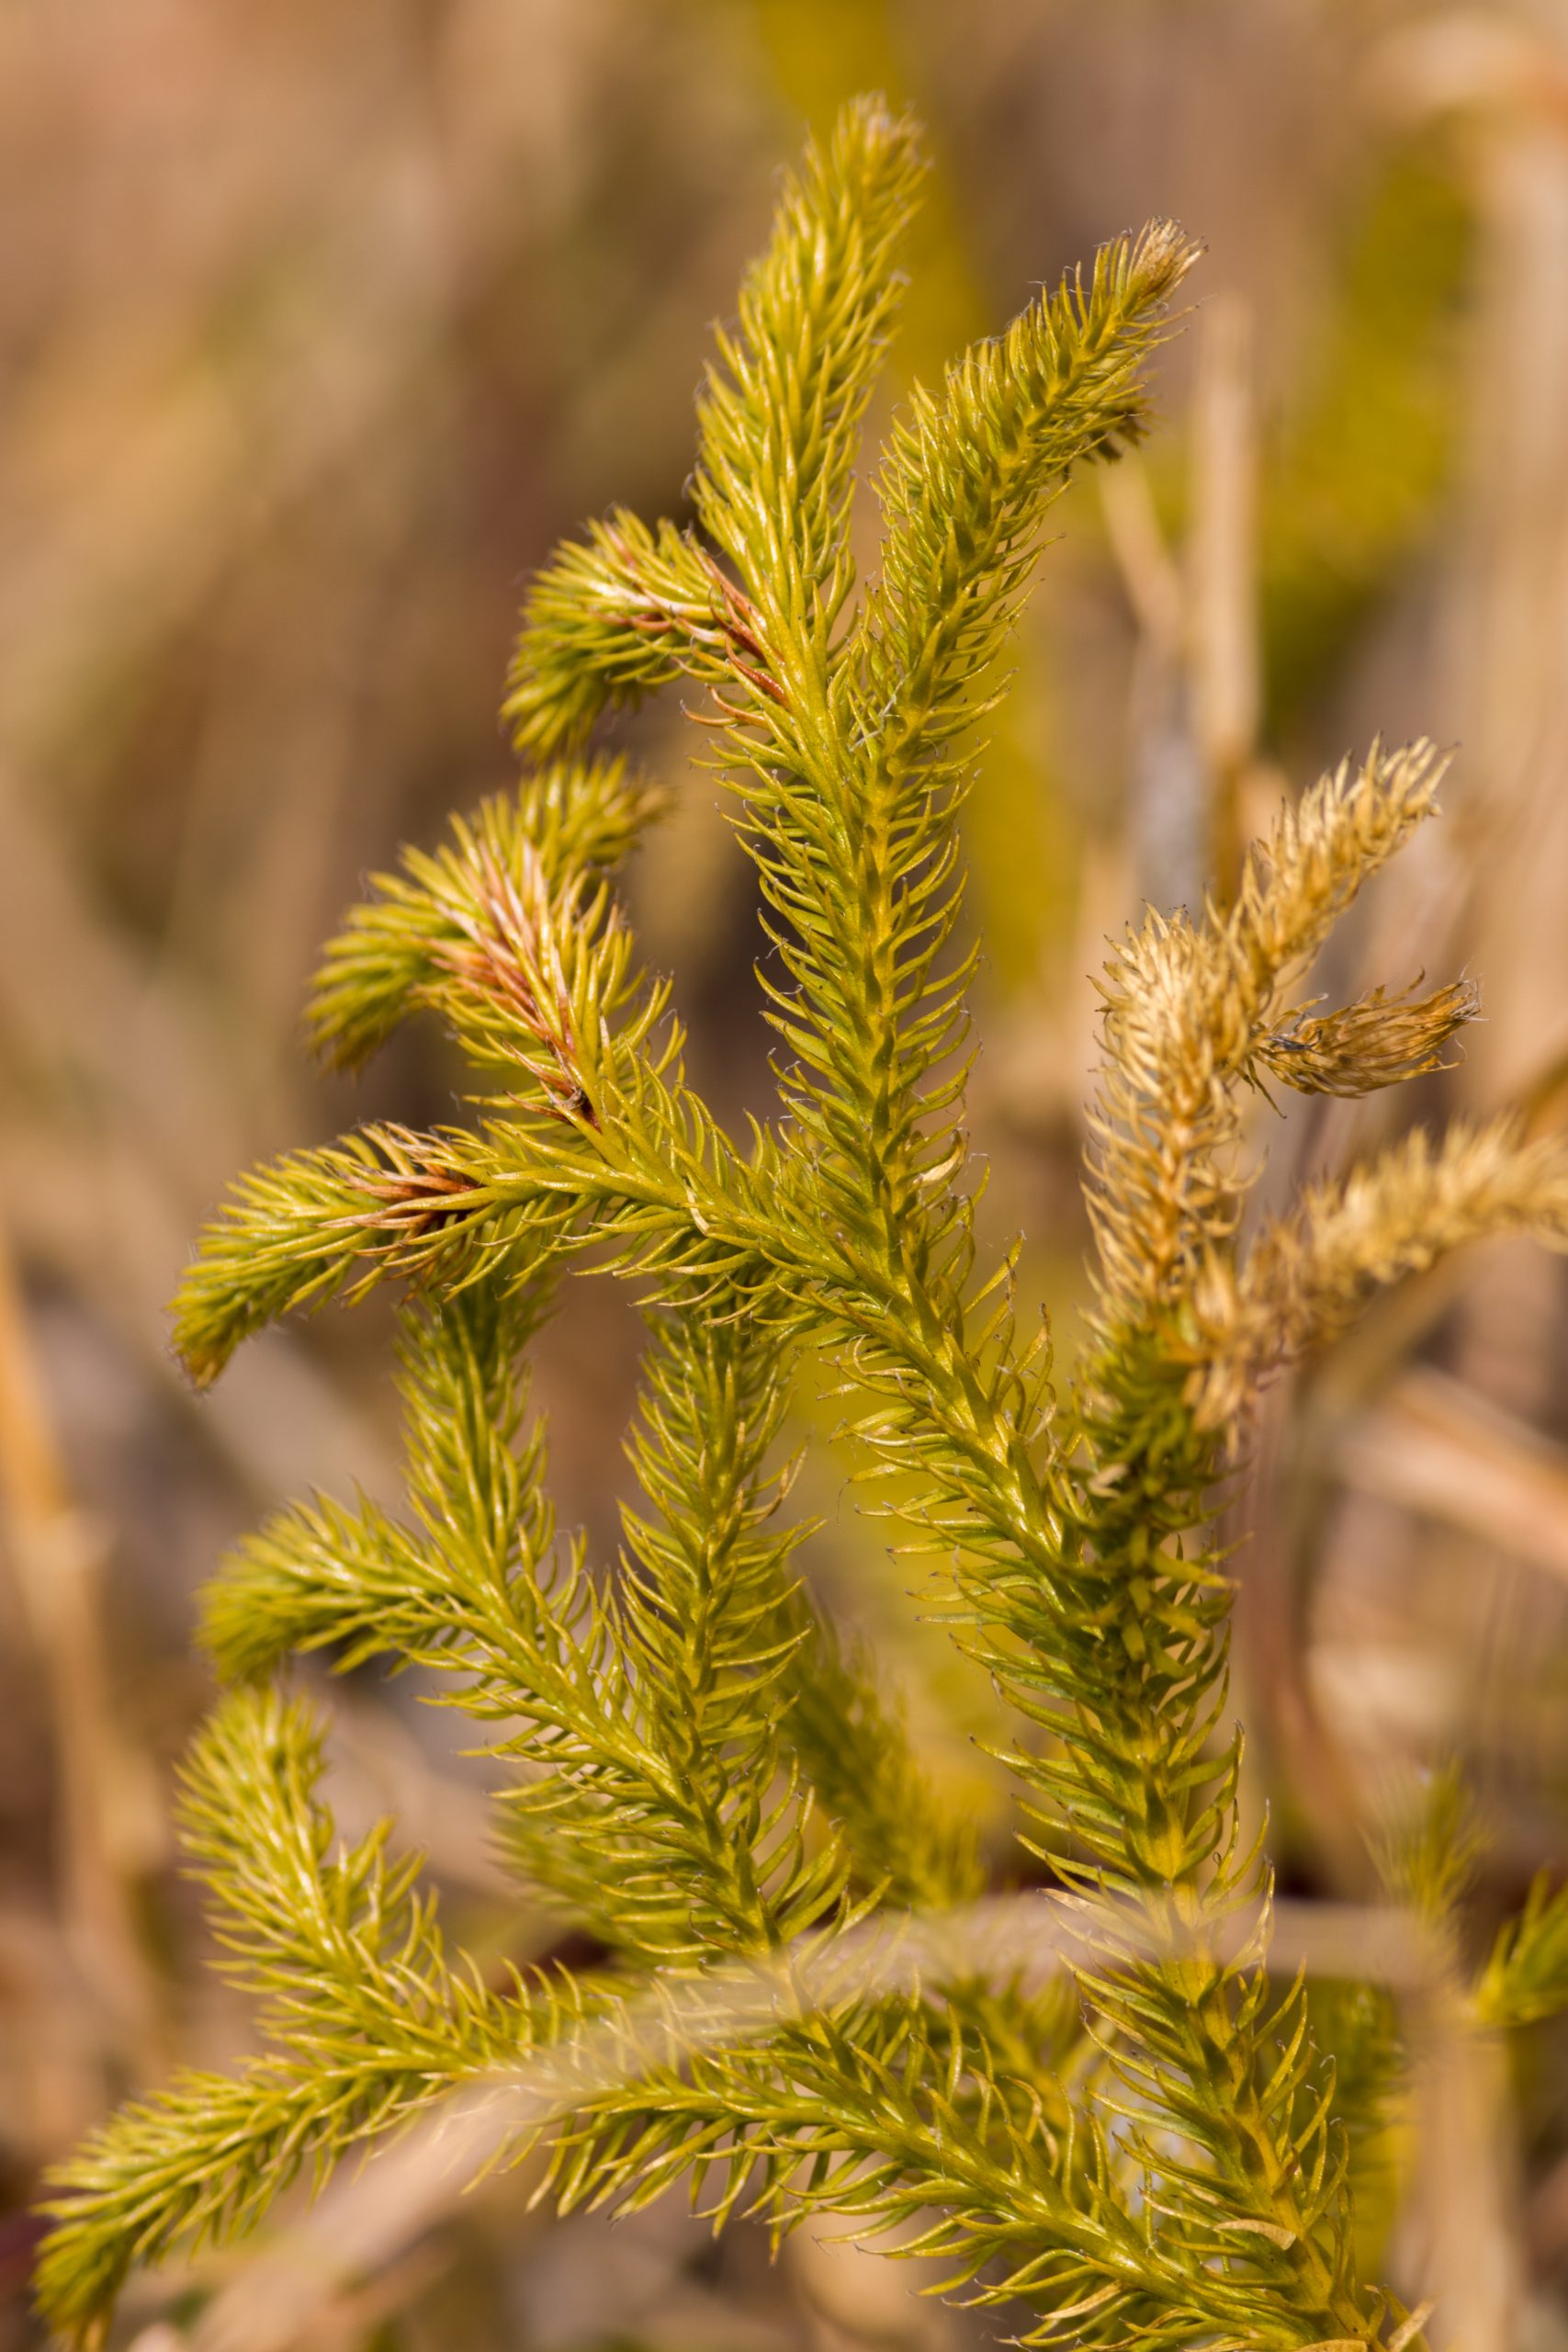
[1154, 2146]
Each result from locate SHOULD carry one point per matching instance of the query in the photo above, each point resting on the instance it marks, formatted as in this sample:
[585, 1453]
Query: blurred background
[319, 324]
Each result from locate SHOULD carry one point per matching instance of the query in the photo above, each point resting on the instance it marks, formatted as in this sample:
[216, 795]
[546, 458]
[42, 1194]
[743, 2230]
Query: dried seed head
[1308, 1274]
[1375, 1042]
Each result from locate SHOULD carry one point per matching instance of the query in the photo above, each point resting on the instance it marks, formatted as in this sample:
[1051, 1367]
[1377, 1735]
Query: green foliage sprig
[696, 1768]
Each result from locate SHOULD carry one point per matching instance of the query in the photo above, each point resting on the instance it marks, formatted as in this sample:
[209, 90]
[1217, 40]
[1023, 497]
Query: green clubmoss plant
[1150, 2147]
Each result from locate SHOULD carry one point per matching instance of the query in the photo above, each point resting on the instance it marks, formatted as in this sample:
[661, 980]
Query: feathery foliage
[1526, 1978]
[1150, 2148]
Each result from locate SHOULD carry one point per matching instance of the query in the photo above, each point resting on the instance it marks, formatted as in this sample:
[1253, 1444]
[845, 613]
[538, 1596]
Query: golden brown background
[317, 324]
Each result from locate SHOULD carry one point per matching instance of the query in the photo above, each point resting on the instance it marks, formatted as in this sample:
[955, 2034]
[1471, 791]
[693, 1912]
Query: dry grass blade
[1439, 1449]
[104, 1801]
